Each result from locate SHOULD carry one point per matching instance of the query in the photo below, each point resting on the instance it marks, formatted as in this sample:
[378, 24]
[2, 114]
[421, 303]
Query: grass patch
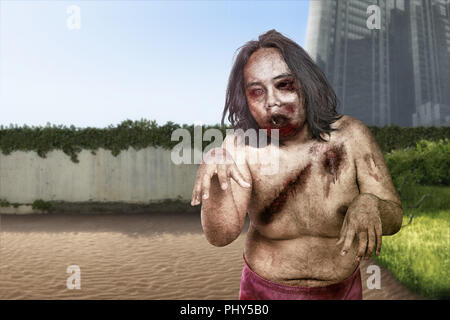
[419, 254]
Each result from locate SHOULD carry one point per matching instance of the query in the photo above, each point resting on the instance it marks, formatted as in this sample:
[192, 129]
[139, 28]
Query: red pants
[254, 287]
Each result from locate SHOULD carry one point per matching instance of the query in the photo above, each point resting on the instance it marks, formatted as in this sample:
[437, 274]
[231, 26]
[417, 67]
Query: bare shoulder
[348, 125]
[354, 131]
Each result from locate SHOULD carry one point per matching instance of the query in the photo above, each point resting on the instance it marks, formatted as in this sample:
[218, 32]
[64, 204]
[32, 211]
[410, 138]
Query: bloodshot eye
[256, 92]
[286, 85]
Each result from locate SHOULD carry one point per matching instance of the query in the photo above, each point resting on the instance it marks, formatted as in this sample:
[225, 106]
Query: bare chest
[306, 192]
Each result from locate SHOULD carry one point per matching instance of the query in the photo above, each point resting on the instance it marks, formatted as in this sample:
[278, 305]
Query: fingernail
[247, 185]
[224, 186]
[205, 196]
[343, 253]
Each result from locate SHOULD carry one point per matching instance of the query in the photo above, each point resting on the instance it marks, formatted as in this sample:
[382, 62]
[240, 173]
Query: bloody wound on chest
[332, 162]
[333, 159]
[293, 186]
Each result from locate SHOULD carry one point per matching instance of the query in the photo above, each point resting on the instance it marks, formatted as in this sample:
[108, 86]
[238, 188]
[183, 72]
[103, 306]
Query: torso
[297, 213]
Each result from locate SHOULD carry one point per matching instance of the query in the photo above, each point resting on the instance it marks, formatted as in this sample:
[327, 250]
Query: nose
[272, 99]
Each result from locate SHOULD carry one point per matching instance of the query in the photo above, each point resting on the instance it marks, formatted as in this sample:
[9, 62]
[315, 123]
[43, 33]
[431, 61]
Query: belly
[295, 224]
[304, 215]
[302, 261]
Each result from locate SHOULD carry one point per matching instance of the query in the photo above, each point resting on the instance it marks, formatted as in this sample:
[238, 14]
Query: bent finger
[348, 241]
[342, 233]
[196, 192]
[371, 242]
[379, 235]
[237, 176]
[206, 184]
[362, 245]
[222, 176]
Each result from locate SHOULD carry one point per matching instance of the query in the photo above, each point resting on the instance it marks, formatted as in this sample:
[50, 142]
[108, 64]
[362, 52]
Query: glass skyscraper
[395, 73]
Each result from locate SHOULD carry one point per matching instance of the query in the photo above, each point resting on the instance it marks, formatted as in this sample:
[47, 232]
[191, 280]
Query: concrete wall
[132, 176]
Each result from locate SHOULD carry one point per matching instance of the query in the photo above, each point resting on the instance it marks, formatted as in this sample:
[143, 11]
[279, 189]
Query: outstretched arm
[223, 185]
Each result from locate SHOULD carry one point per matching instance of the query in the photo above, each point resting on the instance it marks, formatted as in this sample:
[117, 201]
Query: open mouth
[278, 120]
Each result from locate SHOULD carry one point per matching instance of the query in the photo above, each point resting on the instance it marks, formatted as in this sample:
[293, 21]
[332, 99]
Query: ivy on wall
[71, 140]
[146, 133]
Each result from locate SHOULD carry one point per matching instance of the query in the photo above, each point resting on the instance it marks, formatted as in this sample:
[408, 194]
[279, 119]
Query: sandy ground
[137, 256]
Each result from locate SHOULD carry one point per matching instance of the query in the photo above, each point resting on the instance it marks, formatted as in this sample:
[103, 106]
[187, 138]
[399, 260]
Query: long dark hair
[319, 97]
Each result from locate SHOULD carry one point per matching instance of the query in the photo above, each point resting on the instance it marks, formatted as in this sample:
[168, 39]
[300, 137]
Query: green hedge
[394, 137]
[428, 163]
[143, 133]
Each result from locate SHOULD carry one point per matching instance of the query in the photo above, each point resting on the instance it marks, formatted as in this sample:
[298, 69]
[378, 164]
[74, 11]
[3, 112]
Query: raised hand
[216, 162]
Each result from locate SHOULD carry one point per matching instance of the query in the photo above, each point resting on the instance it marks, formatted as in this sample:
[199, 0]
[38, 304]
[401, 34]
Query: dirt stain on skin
[332, 163]
[292, 187]
[368, 158]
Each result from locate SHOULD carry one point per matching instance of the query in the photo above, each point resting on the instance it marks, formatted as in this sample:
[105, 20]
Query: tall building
[394, 70]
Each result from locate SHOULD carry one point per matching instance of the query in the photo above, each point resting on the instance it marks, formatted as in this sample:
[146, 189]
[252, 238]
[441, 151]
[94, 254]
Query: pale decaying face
[273, 93]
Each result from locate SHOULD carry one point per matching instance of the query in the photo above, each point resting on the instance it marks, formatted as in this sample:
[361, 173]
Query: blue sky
[159, 60]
